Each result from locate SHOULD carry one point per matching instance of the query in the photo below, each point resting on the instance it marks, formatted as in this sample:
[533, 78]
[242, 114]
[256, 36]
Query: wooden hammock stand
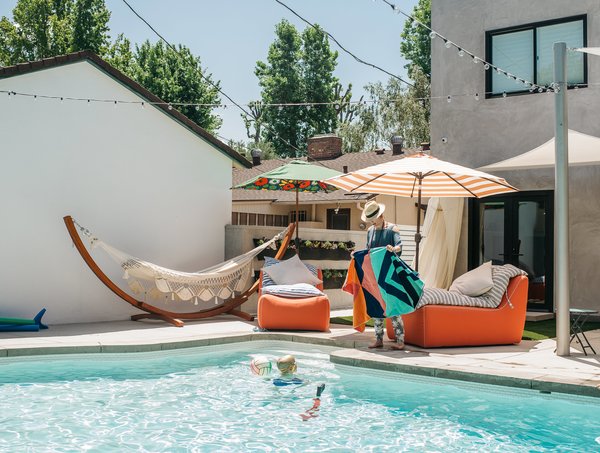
[152, 312]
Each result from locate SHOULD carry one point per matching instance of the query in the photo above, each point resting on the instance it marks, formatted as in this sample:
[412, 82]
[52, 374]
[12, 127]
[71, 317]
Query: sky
[230, 36]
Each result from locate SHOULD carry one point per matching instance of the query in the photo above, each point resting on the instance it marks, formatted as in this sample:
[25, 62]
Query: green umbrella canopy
[295, 175]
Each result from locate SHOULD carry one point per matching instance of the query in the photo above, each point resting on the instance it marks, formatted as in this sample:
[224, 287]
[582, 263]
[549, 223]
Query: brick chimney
[397, 143]
[323, 147]
[256, 153]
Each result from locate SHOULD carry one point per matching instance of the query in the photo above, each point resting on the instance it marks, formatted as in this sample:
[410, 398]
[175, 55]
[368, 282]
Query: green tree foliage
[392, 109]
[416, 44]
[299, 68]
[45, 28]
[280, 80]
[90, 26]
[319, 83]
[175, 76]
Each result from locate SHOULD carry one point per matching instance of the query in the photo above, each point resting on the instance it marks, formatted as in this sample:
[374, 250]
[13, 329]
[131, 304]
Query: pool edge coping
[377, 362]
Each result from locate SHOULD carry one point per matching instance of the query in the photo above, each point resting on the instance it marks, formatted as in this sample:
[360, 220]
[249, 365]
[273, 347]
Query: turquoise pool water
[206, 399]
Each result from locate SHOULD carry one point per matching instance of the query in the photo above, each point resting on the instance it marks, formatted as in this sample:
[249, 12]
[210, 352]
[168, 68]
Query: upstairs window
[527, 52]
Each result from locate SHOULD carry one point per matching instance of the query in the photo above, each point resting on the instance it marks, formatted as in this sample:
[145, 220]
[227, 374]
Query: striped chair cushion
[268, 281]
[297, 290]
[501, 275]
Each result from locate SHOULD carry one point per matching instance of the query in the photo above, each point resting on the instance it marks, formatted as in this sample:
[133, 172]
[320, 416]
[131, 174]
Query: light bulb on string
[197, 108]
[142, 104]
[449, 99]
[476, 96]
[170, 107]
[432, 35]
[475, 60]
[461, 53]
[61, 100]
[35, 97]
[115, 104]
[504, 94]
[486, 66]
[448, 44]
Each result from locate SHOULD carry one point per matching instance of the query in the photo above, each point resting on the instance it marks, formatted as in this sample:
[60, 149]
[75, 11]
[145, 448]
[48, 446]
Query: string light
[476, 96]
[448, 44]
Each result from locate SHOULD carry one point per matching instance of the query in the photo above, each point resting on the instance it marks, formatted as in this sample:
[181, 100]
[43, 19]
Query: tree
[416, 44]
[40, 29]
[299, 69]
[90, 26]
[280, 81]
[46, 28]
[393, 109]
[254, 121]
[319, 83]
[176, 77]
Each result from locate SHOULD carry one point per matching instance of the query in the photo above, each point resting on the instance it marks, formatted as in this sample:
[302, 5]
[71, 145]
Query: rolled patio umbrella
[298, 176]
[421, 175]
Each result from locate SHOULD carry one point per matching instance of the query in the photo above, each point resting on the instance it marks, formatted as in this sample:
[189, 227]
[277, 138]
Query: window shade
[572, 34]
[513, 52]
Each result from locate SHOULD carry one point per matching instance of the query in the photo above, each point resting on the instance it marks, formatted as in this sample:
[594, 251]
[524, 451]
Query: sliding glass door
[516, 229]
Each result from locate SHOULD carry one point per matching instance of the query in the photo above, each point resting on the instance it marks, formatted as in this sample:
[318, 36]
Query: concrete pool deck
[531, 364]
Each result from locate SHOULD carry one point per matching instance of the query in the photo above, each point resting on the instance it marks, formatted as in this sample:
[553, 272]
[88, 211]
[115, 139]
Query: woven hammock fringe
[218, 283]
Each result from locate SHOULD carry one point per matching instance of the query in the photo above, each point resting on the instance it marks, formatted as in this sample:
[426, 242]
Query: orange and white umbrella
[421, 175]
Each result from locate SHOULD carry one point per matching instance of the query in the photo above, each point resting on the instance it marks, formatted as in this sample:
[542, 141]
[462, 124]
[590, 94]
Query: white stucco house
[146, 179]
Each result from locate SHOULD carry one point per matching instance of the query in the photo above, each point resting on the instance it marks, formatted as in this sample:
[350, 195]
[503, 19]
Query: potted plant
[333, 278]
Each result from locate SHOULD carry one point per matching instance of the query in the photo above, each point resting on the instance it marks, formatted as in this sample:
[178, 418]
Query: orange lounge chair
[282, 313]
[434, 326]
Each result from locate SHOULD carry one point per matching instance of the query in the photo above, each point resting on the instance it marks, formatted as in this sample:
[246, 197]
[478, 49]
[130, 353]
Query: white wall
[135, 177]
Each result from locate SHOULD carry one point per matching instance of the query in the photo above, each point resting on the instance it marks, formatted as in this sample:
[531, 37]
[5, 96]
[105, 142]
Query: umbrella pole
[297, 212]
[418, 233]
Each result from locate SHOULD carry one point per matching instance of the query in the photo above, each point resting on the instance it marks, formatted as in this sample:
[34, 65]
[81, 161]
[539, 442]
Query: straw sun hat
[371, 211]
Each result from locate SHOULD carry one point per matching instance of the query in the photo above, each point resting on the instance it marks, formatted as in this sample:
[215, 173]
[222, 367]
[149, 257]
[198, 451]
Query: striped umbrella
[421, 175]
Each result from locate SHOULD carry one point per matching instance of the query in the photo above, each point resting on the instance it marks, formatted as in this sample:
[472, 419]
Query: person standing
[383, 234]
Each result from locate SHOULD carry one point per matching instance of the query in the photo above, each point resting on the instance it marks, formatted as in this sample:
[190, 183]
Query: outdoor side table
[579, 317]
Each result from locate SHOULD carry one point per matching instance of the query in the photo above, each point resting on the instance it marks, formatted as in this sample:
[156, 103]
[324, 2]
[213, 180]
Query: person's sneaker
[377, 344]
[397, 346]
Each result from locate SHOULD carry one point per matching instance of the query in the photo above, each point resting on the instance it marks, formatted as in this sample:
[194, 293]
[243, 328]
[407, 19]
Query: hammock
[218, 289]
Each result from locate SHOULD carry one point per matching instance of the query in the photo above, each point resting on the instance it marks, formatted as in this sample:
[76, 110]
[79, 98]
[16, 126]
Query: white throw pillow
[291, 271]
[476, 282]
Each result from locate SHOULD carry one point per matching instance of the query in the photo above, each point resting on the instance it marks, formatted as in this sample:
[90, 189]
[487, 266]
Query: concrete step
[538, 316]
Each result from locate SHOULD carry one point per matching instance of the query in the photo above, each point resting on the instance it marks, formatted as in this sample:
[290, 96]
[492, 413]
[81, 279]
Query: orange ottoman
[286, 313]
[282, 313]
[434, 326]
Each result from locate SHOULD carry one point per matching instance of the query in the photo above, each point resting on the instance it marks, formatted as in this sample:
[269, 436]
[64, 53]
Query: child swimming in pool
[287, 367]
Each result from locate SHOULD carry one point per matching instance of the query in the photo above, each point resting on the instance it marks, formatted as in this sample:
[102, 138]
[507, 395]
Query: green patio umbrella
[298, 176]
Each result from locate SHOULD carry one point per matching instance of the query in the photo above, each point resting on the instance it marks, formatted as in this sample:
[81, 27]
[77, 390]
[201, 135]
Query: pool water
[206, 399]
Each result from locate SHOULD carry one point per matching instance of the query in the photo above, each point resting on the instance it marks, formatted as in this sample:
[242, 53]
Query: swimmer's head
[287, 364]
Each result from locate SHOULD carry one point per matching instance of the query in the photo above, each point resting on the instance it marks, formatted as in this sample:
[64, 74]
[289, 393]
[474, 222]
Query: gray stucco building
[489, 118]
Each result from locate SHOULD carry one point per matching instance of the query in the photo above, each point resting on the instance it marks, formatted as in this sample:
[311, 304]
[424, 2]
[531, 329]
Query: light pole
[561, 202]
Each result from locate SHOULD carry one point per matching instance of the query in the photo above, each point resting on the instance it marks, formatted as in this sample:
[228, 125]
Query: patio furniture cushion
[491, 299]
[269, 261]
[291, 271]
[444, 326]
[476, 282]
[285, 313]
[294, 291]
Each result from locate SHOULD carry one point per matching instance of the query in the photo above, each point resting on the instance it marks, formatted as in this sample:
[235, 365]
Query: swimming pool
[206, 399]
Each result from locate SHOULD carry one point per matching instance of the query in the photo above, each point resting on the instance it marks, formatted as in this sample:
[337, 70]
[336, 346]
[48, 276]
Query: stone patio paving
[531, 364]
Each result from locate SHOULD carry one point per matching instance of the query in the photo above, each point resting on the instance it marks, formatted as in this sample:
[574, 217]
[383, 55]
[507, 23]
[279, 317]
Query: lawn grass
[538, 330]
